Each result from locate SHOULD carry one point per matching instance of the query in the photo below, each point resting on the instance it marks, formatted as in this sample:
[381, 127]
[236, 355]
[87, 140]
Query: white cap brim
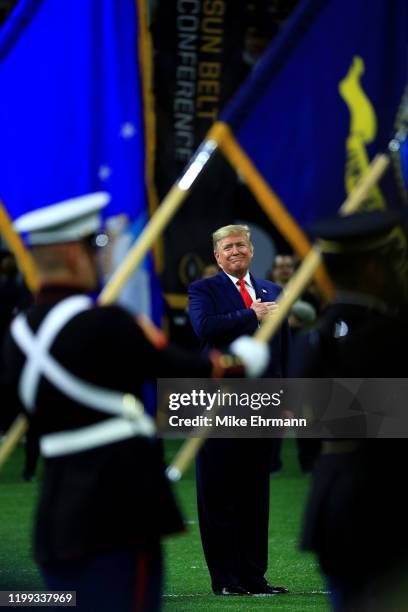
[65, 221]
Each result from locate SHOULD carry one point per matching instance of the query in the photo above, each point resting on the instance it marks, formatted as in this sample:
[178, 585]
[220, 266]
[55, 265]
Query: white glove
[253, 354]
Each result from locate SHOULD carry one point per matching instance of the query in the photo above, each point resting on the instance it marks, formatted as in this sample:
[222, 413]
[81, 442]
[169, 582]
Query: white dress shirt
[248, 284]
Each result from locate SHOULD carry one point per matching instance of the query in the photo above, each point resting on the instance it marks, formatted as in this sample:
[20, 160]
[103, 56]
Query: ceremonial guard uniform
[355, 521]
[78, 370]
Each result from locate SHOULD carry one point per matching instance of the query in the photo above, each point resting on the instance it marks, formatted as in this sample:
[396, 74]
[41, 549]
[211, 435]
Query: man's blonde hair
[229, 230]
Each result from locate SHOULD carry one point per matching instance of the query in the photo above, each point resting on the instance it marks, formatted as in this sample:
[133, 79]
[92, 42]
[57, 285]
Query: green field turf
[187, 587]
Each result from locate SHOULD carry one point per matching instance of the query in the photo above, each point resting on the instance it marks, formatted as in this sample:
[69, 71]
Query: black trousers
[233, 510]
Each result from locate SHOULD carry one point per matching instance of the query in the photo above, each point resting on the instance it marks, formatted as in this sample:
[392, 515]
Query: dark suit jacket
[233, 474]
[218, 316]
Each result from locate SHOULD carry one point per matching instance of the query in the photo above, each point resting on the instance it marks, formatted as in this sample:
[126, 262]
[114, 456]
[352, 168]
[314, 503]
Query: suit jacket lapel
[231, 292]
[258, 290]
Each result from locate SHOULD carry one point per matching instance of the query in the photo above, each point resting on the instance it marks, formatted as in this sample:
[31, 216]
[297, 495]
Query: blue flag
[71, 111]
[319, 105]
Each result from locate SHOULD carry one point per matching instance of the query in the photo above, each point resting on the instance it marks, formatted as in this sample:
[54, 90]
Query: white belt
[92, 436]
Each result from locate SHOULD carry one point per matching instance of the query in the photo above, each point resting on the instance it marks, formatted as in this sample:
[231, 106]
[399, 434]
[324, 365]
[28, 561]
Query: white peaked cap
[65, 221]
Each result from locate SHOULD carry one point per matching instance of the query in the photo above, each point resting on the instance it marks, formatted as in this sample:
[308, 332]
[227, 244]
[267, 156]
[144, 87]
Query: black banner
[204, 49]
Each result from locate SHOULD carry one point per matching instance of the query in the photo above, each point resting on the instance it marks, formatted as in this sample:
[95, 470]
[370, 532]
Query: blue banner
[323, 100]
[71, 109]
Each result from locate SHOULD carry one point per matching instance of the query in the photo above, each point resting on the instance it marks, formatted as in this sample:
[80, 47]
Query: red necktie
[244, 293]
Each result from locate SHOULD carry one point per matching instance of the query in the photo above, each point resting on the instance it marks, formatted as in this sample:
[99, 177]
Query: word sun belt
[129, 418]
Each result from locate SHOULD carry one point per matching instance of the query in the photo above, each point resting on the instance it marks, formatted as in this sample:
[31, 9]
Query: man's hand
[264, 309]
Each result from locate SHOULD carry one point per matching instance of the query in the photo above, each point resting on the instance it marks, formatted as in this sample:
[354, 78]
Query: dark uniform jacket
[115, 495]
[355, 518]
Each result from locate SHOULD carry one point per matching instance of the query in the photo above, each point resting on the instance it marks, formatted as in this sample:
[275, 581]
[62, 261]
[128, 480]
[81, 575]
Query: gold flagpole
[158, 222]
[153, 229]
[156, 225]
[24, 260]
[294, 288]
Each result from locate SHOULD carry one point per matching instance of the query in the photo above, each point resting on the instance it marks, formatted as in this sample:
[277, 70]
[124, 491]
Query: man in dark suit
[233, 474]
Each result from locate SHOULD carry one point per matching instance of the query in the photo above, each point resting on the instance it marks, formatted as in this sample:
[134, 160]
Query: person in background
[233, 474]
[282, 270]
[301, 316]
[77, 371]
[303, 313]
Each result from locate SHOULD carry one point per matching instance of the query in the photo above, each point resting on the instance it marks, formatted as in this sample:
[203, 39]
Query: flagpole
[23, 257]
[293, 289]
[163, 215]
[312, 261]
[12, 437]
[158, 222]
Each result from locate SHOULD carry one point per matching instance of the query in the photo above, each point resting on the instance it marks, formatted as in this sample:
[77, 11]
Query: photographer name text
[254, 420]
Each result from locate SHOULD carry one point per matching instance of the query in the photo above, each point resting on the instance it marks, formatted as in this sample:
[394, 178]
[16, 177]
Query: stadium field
[187, 587]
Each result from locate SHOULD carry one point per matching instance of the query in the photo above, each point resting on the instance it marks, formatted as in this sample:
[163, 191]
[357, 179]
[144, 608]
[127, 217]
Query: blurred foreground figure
[77, 370]
[356, 520]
